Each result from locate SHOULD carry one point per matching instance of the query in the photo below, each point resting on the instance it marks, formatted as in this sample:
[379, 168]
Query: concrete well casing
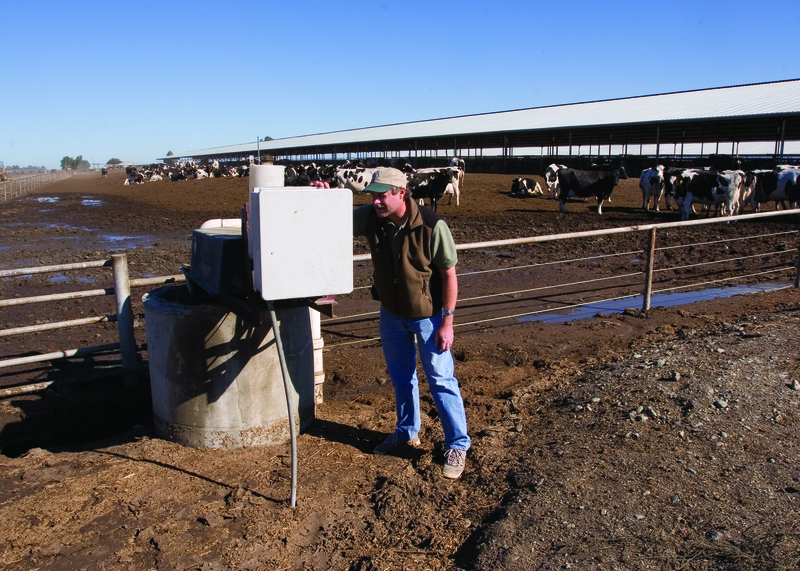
[216, 381]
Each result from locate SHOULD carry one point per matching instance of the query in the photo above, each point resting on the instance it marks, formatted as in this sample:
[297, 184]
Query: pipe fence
[121, 290]
[645, 277]
[23, 185]
[124, 317]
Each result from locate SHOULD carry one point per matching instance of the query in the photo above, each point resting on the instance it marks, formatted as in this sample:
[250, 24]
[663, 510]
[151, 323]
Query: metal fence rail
[123, 283]
[19, 186]
[646, 281]
[121, 290]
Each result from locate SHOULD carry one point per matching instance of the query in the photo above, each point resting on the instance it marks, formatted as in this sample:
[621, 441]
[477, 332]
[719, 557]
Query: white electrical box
[301, 241]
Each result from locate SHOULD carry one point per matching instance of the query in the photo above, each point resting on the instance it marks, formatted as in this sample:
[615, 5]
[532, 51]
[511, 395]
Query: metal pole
[127, 341]
[797, 274]
[287, 385]
[648, 282]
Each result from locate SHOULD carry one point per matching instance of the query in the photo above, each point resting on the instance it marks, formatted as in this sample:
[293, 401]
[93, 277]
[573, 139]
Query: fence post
[648, 280]
[797, 273]
[127, 341]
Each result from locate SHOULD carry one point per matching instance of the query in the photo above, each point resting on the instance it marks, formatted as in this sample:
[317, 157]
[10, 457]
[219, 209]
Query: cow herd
[729, 192]
[183, 171]
[726, 191]
[425, 183]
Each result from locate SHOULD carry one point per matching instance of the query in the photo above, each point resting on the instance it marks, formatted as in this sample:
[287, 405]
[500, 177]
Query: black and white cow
[134, 176]
[748, 190]
[779, 186]
[431, 184]
[551, 179]
[671, 177]
[103, 172]
[356, 179]
[524, 187]
[710, 188]
[461, 165]
[651, 183]
[572, 182]
[455, 176]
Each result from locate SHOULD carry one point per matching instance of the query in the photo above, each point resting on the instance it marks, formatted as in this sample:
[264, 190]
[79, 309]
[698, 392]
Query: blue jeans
[400, 353]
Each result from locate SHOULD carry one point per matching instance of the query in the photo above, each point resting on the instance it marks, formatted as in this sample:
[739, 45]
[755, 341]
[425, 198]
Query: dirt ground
[658, 440]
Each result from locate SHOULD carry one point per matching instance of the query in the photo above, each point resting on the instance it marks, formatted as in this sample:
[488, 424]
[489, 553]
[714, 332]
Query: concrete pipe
[216, 381]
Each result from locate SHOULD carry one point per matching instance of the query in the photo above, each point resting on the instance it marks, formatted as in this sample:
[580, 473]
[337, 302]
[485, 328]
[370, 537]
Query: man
[414, 260]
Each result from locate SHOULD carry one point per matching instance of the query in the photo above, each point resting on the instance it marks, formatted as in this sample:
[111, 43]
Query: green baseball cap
[386, 179]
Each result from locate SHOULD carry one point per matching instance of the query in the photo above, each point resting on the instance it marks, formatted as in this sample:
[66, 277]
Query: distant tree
[169, 153]
[75, 164]
[267, 139]
[113, 162]
[81, 164]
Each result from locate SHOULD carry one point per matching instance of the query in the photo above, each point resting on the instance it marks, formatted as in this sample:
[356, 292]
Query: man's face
[386, 203]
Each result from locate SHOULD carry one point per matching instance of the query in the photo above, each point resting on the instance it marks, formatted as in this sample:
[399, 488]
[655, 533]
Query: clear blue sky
[133, 80]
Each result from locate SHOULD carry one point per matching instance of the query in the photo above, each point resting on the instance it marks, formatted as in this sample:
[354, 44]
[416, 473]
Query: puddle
[59, 279]
[128, 242]
[658, 300]
[45, 225]
[91, 202]
[46, 199]
[87, 280]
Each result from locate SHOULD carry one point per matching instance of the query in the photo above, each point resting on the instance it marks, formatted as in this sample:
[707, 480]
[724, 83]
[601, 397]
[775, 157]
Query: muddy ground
[658, 440]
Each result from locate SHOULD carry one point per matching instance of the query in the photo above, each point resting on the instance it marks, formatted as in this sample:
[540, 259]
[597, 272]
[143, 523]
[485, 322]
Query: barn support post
[122, 295]
[570, 144]
[625, 152]
[658, 144]
[683, 139]
[783, 139]
[648, 281]
[702, 139]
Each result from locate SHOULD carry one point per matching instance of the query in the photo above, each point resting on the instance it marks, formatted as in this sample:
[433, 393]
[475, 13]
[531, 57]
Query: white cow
[651, 182]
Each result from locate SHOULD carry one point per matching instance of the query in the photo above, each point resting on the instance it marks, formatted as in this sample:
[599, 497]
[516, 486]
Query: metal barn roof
[756, 112]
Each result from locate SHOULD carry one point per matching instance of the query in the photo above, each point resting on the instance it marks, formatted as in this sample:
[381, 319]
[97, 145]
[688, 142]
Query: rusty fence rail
[121, 290]
[23, 185]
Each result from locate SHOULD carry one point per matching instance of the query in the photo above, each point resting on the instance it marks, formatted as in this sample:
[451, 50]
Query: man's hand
[445, 335]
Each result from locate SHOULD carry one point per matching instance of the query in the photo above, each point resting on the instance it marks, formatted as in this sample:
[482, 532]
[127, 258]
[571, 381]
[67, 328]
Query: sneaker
[395, 441]
[454, 460]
